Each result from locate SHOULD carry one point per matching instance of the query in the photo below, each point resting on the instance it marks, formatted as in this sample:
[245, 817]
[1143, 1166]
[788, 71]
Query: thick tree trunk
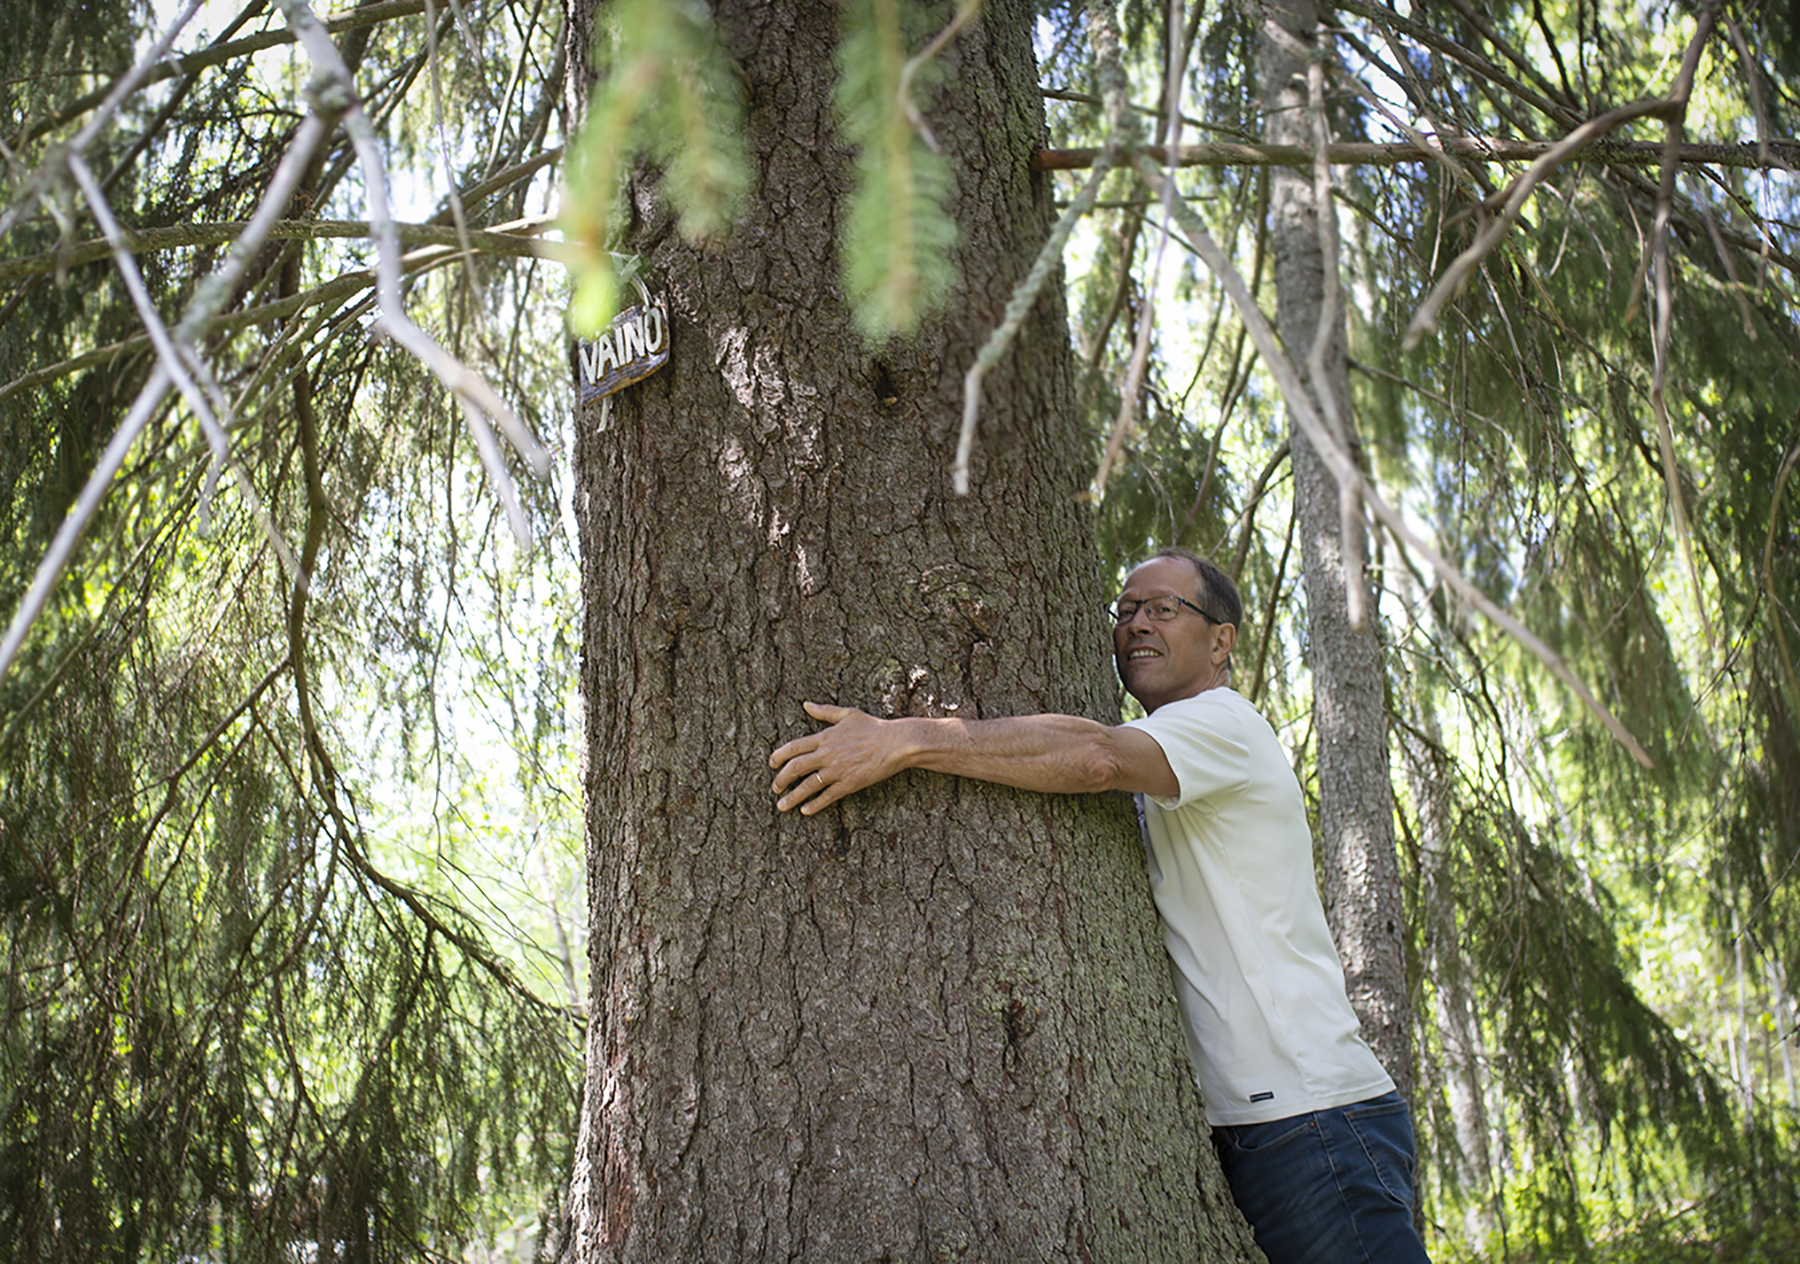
[1356, 820]
[936, 1020]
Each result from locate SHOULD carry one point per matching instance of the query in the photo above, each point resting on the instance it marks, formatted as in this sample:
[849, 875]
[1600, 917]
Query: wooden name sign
[633, 347]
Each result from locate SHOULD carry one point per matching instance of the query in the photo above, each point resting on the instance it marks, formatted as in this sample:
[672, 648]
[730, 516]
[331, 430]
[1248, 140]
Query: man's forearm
[1056, 754]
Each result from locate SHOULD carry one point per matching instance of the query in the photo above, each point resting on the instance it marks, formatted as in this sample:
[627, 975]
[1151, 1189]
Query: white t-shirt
[1269, 1027]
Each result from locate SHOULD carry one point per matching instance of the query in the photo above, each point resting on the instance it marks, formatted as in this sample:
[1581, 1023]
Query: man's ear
[1224, 638]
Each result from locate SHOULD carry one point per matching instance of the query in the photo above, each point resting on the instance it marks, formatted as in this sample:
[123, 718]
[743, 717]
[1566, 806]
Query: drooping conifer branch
[519, 239]
[1174, 73]
[178, 361]
[334, 90]
[1766, 574]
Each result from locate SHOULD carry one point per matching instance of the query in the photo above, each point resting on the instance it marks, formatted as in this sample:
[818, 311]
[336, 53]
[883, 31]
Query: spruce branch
[1783, 616]
[897, 236]
[1560, 100]
[325, 778]
[177, 358]
[1513, 207]
[519, 239]
[179, 361]
[1781, 155]
[1266, 638]
[1258, 490]
[68, 534]
[1386, 19]
[445, 154]
[50, 175]
[328, 295]
[179, 351]
[668, 90]
[1129, 227]
[334, 92]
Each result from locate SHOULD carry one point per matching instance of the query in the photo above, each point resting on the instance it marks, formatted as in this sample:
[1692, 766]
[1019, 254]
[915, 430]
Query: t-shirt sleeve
[1205, 747]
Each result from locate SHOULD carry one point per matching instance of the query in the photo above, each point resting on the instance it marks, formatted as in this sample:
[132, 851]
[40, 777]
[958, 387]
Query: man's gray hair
[1218, 592]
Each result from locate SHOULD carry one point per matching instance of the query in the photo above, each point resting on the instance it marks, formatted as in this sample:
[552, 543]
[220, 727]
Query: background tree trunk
[934, 1021]
[1361, 877]
[1462, 1058]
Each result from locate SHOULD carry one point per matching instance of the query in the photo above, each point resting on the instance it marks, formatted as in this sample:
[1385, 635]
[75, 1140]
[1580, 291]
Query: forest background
[292, 874]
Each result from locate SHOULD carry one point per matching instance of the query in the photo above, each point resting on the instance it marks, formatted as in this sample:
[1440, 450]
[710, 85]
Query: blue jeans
[1327, 1187]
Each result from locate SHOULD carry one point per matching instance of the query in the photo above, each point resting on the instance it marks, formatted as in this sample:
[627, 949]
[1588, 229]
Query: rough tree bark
[936, 1020]
[1361, 878]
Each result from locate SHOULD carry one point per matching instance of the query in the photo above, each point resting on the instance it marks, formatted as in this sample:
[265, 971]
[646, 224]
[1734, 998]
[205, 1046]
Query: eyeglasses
[1161, 609]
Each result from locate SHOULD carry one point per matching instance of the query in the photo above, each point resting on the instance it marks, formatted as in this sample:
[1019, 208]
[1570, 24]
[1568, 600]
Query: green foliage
[251, 1010]
[667, 90]
[898, 235]
[230, 1026]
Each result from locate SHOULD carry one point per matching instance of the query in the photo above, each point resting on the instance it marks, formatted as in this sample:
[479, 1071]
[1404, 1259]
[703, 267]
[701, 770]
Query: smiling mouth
[1143, 651]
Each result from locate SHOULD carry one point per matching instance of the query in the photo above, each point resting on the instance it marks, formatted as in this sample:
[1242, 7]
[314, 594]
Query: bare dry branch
[1780, 154]
[1425, 319]
[515, 239]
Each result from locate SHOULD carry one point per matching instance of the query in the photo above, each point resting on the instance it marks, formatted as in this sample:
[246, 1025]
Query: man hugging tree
[1315, 1142]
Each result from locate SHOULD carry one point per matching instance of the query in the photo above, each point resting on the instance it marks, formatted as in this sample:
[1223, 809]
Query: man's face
[1162, 661]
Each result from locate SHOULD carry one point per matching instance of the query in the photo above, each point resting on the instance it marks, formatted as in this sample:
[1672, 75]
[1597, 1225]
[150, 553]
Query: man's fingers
[787, 750]
[827, 796]
[794, 772]
[800, 745]
[823, 794]
[800, 791]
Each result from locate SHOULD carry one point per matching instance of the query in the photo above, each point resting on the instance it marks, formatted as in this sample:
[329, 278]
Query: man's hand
[817, 770]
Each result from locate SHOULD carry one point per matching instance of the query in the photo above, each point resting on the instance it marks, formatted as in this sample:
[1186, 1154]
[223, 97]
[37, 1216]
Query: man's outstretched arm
[1057, 754]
